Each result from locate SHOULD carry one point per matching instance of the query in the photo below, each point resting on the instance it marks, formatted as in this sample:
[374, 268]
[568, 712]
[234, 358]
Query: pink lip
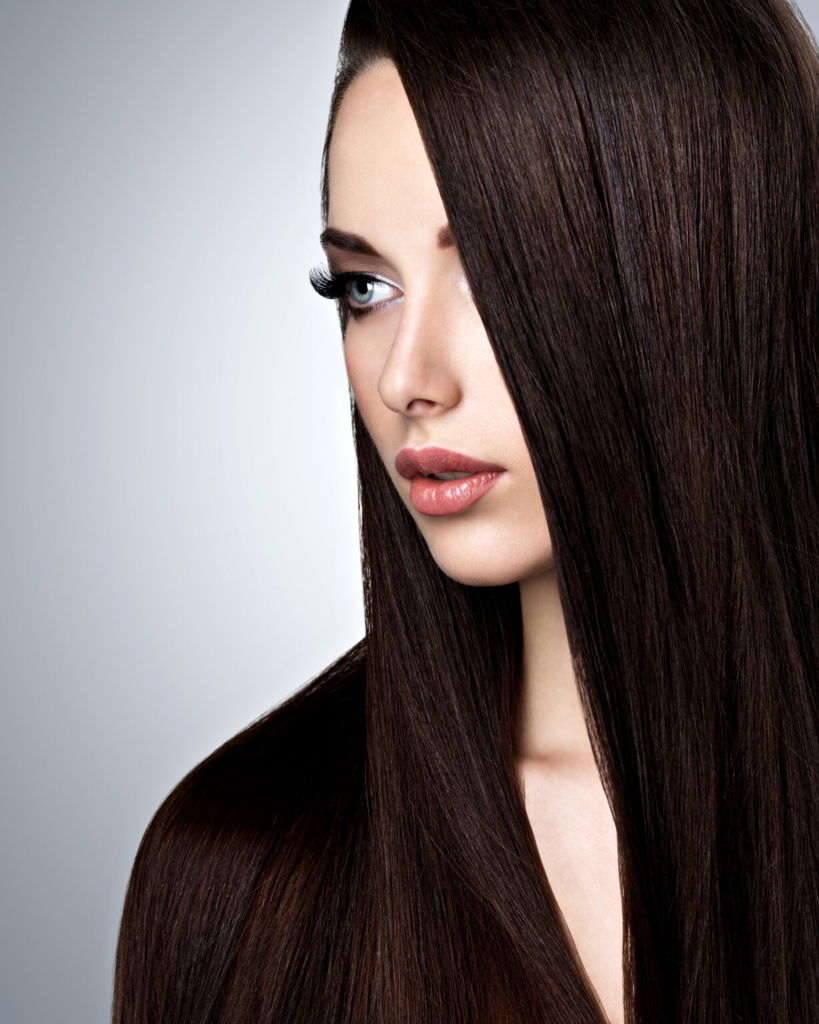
[445, 497]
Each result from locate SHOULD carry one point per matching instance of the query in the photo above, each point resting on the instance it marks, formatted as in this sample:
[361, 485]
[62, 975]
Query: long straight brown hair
[632, 186]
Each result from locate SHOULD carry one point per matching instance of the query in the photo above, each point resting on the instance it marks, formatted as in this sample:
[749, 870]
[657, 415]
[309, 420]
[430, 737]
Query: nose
[420, 376]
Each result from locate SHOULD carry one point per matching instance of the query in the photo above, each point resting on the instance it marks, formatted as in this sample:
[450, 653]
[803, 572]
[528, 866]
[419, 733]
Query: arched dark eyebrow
[355, 243]
[347, 243]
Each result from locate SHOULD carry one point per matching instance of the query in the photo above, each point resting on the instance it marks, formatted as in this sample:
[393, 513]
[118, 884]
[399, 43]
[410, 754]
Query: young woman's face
[423, 373]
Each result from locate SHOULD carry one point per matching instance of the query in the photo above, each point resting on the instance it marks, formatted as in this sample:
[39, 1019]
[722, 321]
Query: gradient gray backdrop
[178, 540]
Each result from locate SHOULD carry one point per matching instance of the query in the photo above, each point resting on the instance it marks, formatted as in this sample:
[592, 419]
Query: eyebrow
[346, 242]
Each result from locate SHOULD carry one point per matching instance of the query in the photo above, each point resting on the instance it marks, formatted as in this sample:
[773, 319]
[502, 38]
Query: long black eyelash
[328, 284]
[331, 285]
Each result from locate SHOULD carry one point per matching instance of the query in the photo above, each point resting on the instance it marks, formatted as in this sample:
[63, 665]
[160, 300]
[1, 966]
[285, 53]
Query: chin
[477, 562]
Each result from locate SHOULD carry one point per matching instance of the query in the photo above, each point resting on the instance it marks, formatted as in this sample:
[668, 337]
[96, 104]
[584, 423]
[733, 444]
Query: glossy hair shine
[632, 186]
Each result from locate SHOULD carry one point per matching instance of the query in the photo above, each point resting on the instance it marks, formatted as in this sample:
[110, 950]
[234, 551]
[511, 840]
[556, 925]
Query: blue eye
[361, 290]
[361, 293]
[367, 291]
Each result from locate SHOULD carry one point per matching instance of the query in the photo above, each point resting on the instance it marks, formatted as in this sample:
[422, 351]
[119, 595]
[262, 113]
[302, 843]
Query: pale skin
[423, 372]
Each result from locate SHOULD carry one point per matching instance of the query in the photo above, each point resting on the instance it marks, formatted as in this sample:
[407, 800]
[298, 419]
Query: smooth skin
[423, 372]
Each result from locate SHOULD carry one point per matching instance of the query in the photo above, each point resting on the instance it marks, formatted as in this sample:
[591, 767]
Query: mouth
[443, 482]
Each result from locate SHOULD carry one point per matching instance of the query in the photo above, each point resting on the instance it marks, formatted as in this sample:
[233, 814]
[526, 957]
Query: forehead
[379, 176]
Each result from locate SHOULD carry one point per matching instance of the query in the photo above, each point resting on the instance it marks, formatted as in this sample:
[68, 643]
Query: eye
[370, 291]
[360, 293]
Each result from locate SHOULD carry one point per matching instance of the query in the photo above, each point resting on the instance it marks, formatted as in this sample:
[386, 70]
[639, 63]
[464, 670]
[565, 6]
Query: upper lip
[409, 462]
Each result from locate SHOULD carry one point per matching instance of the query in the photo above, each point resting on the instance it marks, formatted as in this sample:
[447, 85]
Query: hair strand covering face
[632, 186]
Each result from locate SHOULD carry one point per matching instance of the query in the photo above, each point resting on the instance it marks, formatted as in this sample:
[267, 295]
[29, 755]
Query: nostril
[418, 377]
[420, 405]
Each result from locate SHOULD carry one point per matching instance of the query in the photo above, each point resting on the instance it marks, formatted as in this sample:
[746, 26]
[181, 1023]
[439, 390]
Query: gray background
[178, 540]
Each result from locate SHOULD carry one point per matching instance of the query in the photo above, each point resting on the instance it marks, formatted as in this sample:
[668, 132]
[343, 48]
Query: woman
[572, 772]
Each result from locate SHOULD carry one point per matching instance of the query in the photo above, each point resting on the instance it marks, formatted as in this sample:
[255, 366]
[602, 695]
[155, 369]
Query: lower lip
[448, 497]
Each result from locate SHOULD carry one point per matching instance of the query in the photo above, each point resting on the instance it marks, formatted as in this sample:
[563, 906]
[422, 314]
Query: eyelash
[331, 285]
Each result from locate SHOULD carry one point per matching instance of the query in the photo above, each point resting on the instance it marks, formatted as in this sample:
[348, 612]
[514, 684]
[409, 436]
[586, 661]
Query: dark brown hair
[632, 186]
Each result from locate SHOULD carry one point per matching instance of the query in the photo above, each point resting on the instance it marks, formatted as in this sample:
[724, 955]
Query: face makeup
[444, 483]
[420, 364]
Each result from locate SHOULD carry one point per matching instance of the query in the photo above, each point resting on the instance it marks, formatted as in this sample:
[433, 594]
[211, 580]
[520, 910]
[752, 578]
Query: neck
[551, 724]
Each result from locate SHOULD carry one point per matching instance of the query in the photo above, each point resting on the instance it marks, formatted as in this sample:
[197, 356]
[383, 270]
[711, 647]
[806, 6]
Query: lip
[445, 497]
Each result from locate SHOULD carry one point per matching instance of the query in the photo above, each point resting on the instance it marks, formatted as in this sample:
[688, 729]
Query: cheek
[364, 365]
[359, 373]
